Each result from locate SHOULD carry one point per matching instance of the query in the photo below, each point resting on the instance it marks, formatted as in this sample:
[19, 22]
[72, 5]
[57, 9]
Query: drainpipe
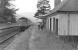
[68, 23]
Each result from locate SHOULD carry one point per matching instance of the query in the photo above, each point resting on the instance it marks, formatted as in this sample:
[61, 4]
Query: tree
[8, 11]
[43, 7]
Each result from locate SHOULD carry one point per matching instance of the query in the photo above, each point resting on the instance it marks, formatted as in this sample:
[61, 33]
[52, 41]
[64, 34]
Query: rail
[9, 32]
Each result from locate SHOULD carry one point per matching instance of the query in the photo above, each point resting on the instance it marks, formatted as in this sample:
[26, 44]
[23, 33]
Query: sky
[28, 7]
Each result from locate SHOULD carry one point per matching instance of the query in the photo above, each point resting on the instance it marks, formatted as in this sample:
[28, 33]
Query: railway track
[8, 33]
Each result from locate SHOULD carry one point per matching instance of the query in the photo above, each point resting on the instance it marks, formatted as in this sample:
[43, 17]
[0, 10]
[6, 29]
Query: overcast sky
[28, 8]
[28, 5]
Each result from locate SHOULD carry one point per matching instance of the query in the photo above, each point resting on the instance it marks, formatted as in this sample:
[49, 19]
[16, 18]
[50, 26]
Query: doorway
[55, 25]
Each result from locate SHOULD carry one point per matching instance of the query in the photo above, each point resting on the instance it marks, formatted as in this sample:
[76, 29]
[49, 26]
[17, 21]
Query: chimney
[56, 2]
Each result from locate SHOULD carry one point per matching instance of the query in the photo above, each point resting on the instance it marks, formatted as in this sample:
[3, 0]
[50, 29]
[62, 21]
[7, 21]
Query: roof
[57, 8]
[70, 6]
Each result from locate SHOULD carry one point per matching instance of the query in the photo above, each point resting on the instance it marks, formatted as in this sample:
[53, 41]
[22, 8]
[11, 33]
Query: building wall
[63, 24]
[67, 24]
[74, 24]
[51, 23]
